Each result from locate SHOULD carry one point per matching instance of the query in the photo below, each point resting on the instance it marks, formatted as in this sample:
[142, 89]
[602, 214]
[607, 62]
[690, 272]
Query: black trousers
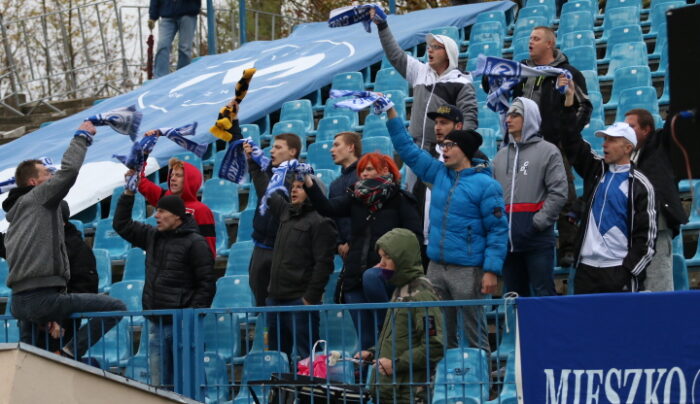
[603, 280]
[259, 274]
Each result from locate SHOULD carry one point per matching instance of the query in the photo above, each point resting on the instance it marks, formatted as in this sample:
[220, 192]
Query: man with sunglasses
[531, 172]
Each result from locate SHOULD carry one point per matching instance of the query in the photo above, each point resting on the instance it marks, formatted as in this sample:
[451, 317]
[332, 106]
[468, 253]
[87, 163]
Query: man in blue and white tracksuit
[468, 228]
[531, 172]
[618, 229]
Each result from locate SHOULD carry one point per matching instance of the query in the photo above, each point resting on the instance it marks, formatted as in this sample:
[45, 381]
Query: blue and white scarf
[344, 16]
[139, 153]
[11, 182]
[177, 135]
[362, 100]
[504, 75]
[123, 120]
[234, 165]
[278, 176]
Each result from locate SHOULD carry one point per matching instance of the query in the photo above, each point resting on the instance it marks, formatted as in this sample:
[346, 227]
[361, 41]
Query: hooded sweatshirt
[532, 175]
[396, 341]
[431, 90]
[191, 184]
[35, 242]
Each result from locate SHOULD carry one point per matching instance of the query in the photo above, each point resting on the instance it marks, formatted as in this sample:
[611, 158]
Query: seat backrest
[239, 258]
[189, 157]
[232, 291]
[139, 209]
[618, 17]
[658, 13]
[613, 4]
[629, 77]
[482, 48]
[326, 175]
[637, 97]
[487, 31]
[523, 26]
[245, 223]
[331, 111]
[398, 97]
[537, 11]
[251, 130]
[577, 38]
[579, 5]
[319, 155]
[680, 273]
[582, 57]
[104, 269]
[215, 378]
[221, 231]
[521, 46]
[222, 334]
[129, 292]
[221, 196]
[390, 79]
[106, 237]
[337, 327]
[597, 102]
[298, 110]
[329, 127]
[135, 265]
[496, 15]
[348, 81]
[592, 82]
[463, 372]
[261, 365]
[378, 144]
[4, 272]
[623, 34]
[449, 31]
[575, 21]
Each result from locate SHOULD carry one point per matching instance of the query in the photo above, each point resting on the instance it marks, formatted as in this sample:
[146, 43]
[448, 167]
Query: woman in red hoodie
[184, 180]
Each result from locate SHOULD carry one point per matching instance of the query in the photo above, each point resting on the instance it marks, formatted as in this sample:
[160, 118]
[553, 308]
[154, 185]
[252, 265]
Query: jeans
[37, 307]
[160, 354]
[297, 331]
[374, 290]
[526, 270]
[167, 28]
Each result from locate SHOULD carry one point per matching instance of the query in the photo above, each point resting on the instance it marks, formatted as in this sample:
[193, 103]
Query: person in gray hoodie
[531, 172]
[435, 83]
[36, 252]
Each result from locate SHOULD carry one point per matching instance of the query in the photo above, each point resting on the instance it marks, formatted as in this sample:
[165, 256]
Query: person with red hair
[376, 204]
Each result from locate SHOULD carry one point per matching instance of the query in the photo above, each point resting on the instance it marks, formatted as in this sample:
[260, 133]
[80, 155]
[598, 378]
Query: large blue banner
[613, 348]
[287, 69]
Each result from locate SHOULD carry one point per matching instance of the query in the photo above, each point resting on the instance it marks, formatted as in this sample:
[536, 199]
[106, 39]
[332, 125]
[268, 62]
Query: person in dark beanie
[468, 228]
[179, 272]
[37, 257]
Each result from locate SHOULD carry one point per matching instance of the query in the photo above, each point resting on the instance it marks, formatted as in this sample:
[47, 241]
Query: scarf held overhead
[123, 120]
[234, 165]
[344, 16]
[278, 176]
[362, 100]
[177, 135]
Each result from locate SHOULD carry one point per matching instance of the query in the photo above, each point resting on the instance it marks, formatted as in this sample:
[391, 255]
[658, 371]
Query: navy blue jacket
[340, 186]
[173, 8]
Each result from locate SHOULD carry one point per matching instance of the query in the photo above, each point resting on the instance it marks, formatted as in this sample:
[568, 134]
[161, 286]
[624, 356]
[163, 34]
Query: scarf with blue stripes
[344, 16]
[234, 165]
[123, 120]
[278, 176]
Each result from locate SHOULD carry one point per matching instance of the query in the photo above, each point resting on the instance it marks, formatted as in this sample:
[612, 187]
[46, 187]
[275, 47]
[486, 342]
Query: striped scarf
[374, 192]
[123, 120]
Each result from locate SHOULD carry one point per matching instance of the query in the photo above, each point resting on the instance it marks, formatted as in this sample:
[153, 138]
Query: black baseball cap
[447, 111]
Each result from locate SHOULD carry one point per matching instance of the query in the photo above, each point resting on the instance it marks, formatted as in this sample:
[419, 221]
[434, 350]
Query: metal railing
[217, 355]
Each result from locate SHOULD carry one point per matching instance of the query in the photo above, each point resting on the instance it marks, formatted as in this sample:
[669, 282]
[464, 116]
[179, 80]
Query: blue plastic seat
[597, 102]
[680, 273]
[588, 134]
[628, 77]
[575, 21]
[509, 392]
[592, 83]
[665, 98]
[245, 224]
[390, 79]
[331, 111]
[90, 216]
[135, 265]
[619, 17]
[221, 196]
[216, 382]
[114, 348]
[524, 26]
[331, 126]
[694, 217]
[637, 97]
[582, 57]
[107, 238]
[319, 155]
[295, 126]
[233, 292]
[481, 95]
[373, 120]
[661, 44]
[549, 3]
[189, 157]
[4, 272]
[496, 15]
[613, 4]
[483, 48]
[663, 62]
[104, 269]
[462, 376]
[298, 110]
[530, 11]
[487, 31]
[9, 330]
[398, 97]
[521, 48]
[375, 131]
[259, 366]
[239, 258]
[337, 327]
[222, 335]
[378, 144]
[128, 292]
[252, 131]
[577, 38]
[327, 176]
[348, 81]
[264, 125]
[79, 226]
[658, 14]
[624, 34]
[580, 5]
[222, 241]
[138, 212]
[449, 31]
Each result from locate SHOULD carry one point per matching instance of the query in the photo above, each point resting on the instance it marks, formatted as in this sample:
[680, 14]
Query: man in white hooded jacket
[435, 83]
[531, 172]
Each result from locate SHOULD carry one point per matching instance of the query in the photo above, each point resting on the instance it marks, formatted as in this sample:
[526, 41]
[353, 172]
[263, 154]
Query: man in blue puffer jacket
[468, 228]
[175, 16]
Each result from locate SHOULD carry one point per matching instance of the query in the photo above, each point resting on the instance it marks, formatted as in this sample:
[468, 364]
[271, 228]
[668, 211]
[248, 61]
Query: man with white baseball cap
[616, 238]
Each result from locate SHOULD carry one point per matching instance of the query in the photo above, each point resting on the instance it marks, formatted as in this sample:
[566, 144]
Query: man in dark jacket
[652, 158]
[286, 146]
[176, 17]
[179, 271]
[302, 261]
[618, 229]
[346, 150]
[36, 252]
